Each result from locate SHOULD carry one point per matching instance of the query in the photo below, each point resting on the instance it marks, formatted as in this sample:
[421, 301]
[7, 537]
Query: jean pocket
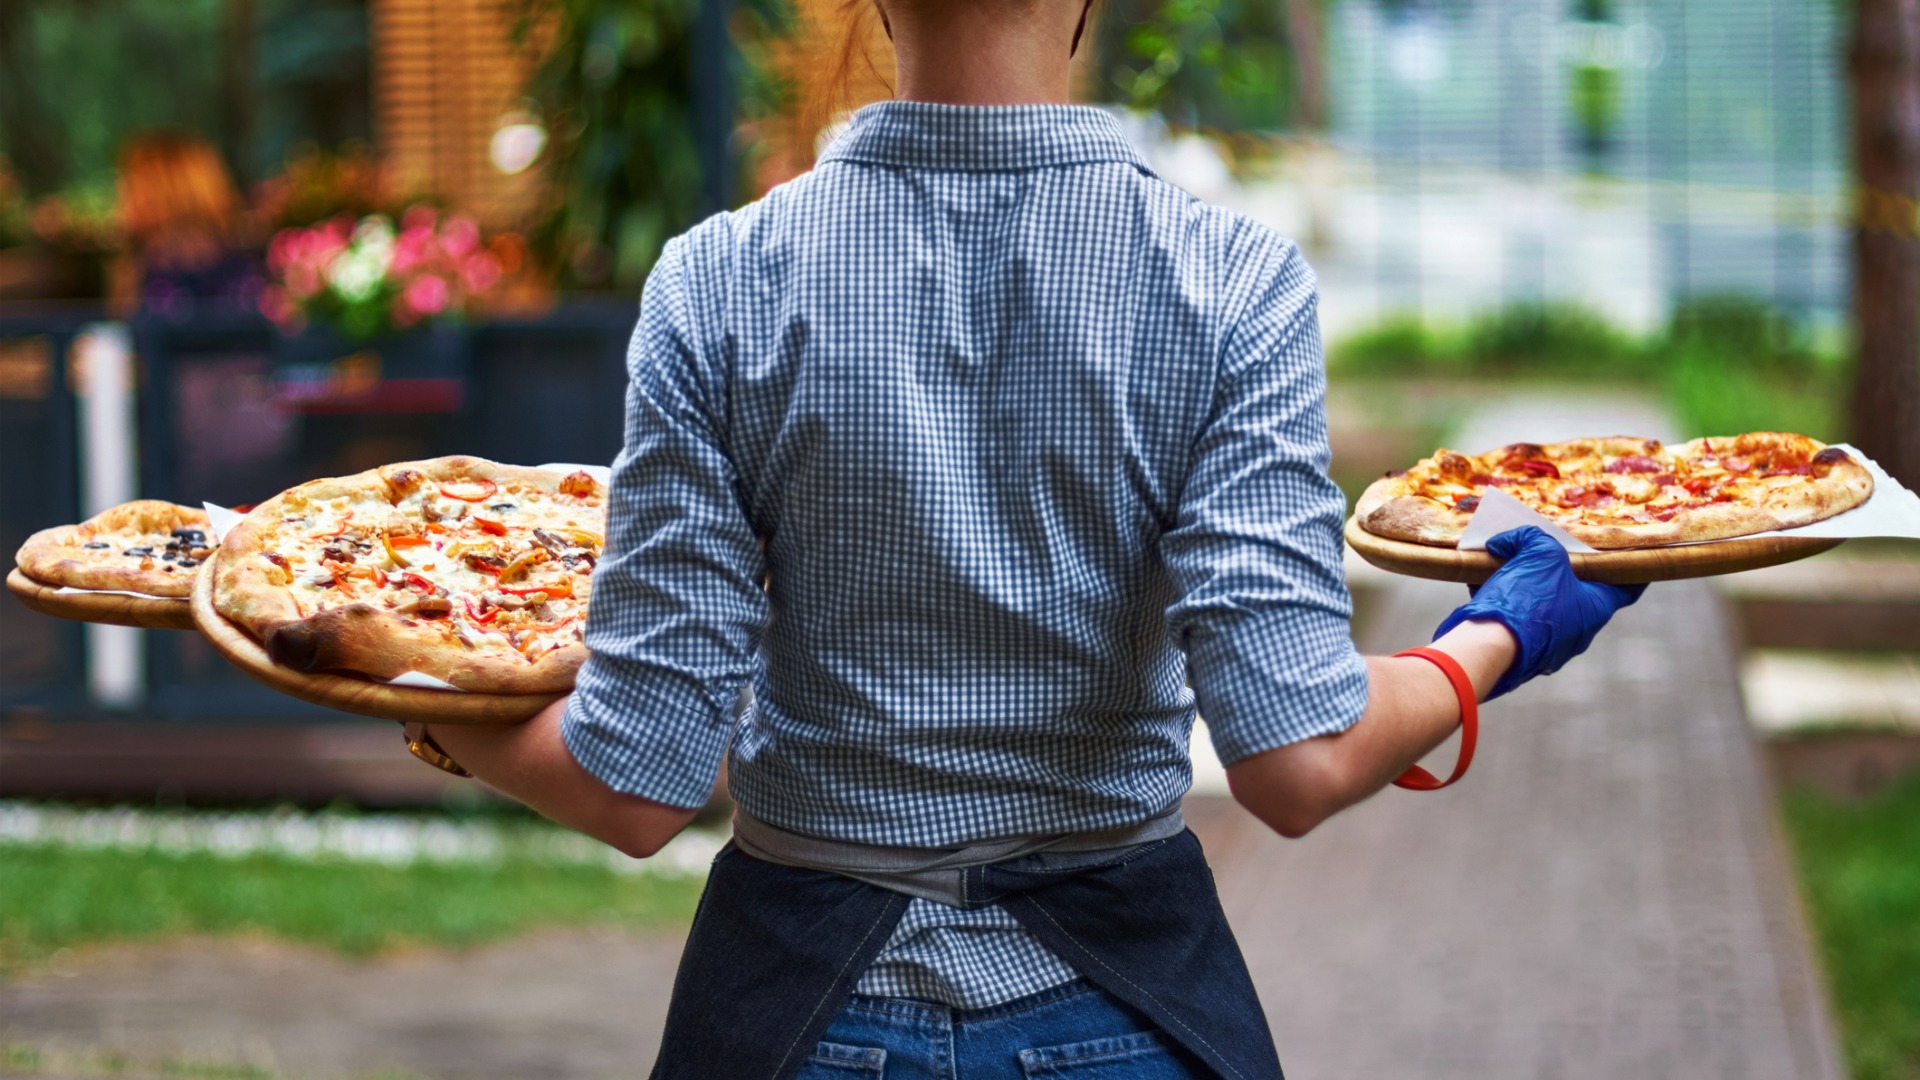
[832, 1061]
[1143, 1055]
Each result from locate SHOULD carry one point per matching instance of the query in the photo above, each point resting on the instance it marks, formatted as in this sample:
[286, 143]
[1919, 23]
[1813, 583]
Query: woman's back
[1019, 423]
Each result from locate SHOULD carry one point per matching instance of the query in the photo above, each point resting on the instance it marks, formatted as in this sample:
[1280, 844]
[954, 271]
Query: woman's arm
[531, 763]
[1411, 708]
[1528, 619]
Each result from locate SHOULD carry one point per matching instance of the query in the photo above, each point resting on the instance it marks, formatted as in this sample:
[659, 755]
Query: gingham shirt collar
[982, 138]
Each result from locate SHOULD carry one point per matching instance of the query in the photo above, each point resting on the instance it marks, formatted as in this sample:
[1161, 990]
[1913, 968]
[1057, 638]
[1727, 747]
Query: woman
[1033, 441]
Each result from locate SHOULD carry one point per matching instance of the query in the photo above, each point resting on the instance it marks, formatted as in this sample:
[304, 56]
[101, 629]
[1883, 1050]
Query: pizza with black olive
[1625, 492]
[470, 571]
[146, 546]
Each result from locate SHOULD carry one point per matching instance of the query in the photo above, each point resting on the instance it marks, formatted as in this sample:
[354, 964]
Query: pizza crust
[362, 638]
[56, 557]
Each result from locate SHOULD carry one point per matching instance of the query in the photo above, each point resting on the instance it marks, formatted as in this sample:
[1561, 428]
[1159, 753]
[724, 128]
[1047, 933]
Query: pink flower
[427, 295]
[479, 273]
[418, 218]
[460, 237]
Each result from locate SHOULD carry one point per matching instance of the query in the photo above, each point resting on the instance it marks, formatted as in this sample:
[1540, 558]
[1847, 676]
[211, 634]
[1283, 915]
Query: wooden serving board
[117, 609]
[350, 694]
[1632, 566]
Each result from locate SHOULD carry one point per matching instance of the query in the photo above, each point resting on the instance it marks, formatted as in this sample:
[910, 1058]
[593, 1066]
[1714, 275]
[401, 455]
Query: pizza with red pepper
[473, 572]
[1624, 492]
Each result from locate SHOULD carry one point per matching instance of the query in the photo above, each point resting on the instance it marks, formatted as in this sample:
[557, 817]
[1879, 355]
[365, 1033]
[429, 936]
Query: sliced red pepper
[407, 541]
[418, 582]
[492, 528]
[340, 582]
[475, 616]
[488, 488]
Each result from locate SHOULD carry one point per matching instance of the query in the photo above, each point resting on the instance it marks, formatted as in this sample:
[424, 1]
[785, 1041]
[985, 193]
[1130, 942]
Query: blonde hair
[171, 182]
[842, 61]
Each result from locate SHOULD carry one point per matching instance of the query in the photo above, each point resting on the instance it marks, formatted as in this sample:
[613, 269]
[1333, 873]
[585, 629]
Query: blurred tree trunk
[239, 96]
[1884, 68]
[1310, 91]
[34, 148]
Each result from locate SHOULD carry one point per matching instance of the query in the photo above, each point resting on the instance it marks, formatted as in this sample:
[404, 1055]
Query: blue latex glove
[1553, 615]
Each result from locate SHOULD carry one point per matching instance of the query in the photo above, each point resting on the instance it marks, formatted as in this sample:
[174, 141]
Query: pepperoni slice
[1540, 468]
[1633, 463]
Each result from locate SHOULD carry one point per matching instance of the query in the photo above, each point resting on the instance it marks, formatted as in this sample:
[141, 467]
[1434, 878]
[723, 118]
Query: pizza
[472, 572]
[1625, 492]
[146, 546]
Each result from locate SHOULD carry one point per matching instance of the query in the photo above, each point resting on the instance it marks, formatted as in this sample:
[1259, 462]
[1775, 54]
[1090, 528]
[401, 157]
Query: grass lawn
[1859, 869]
[56, 896]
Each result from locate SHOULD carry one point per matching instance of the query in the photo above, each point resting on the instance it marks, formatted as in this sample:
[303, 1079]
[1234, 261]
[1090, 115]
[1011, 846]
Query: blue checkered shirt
[984, 456]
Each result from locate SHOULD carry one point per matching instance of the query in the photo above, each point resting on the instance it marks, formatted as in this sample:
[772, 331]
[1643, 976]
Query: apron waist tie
[938, 874]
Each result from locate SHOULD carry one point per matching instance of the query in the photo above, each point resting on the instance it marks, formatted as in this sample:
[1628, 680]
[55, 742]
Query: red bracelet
[1419, 779]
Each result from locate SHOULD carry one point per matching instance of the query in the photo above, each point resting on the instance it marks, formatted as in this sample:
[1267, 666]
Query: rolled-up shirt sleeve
[1262, 609]
[677, 607]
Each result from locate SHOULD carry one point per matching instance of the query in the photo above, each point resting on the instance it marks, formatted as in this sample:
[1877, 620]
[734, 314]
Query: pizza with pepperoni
[1624, 492]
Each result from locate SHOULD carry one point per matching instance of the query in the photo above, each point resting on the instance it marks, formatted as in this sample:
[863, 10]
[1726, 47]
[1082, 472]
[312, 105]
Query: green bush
[1724, 364]
[1861, 881]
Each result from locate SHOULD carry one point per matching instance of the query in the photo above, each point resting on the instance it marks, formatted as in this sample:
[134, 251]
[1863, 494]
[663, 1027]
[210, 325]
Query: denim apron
[776, 950]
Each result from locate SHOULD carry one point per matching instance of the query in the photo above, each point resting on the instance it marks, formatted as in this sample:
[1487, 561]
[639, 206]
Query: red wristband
[1419, 779]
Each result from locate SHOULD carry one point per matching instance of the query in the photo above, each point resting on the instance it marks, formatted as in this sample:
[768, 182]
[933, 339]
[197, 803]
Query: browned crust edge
[44, 559]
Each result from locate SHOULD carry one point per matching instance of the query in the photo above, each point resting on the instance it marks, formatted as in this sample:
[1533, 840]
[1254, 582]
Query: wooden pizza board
[349, 694]
[117, 609]
[1631, 566]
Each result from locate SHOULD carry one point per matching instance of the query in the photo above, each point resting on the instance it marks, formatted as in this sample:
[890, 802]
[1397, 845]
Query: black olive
[198, 536]
[168, 556]
[189, 562]
[97, 545]
[145, 551]
[501, 506]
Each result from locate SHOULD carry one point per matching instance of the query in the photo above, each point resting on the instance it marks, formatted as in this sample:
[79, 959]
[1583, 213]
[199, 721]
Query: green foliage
[1544, 339]
[1596, 101]
[1725, 364]
[1734, 364]
[27, 1060]
[1861, 879]
[82, 75]
[1561, 338]
[54, 897]
[1223, 64]
[615, 92]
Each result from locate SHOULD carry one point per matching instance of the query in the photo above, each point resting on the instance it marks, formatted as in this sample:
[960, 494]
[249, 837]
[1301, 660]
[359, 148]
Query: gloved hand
[1552, 614]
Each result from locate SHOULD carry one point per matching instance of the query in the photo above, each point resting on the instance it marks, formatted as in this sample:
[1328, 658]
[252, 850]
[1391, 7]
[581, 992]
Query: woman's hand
[1552, 615]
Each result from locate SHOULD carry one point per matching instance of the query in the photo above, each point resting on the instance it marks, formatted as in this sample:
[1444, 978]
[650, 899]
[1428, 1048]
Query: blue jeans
[1072, 1031]
[775, 952]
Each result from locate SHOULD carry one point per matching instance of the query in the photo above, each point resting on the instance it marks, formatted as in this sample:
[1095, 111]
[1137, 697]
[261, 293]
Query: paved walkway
[1605, 896]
